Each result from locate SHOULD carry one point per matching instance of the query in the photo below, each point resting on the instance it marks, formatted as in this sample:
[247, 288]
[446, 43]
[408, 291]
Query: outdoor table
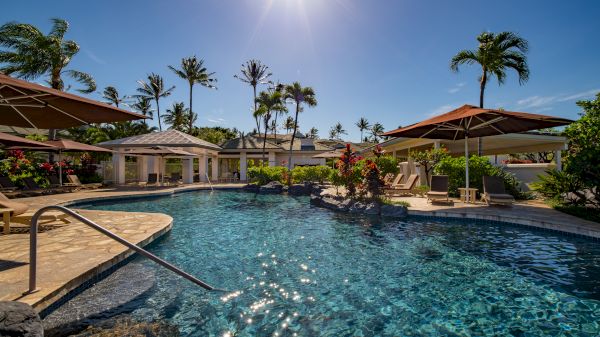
[6, 218]
[472, 194]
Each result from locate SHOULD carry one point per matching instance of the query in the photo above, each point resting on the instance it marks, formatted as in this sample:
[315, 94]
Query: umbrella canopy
[471, 121]
[30, 105]
[73, 146]
[19, 142]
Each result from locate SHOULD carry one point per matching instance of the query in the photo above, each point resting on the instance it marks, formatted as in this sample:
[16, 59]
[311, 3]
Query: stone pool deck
[71, 254]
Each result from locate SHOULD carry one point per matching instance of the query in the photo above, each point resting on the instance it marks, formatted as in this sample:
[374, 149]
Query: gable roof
[299, 143]
[172, 138]
[248, 142]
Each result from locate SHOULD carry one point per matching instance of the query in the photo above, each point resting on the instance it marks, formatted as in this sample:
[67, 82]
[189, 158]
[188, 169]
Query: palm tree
[313, 133]
[496, 54]
[269, 102]
[298, 95]
[362, 124]
[254, 73]
[193, 71]
[111, 95]
[288, 124]
[337, 130]
[142, 104]
[177, 116]
[31, 54]
[154, 89]
[376, 131]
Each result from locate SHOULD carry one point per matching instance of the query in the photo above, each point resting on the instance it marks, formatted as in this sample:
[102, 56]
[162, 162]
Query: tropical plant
[263, 174]
[313, 133]
[336, 131]
[348, 175]
[215, 134]
[193, 71]
[111, 95]
[376, 131]
[560, 186]
[143, 106]
[253, 72]
[31, 54]
[373, 183]
[496, 54]
[269, 102]
[298, 95]
[289, 124]
[154, 89]
[177, 117]
[429, 159]
[313, 174]
[362, 125]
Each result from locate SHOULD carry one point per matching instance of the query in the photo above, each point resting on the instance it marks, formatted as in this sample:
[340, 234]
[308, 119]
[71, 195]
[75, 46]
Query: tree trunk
[158, 116]
[292, 144]
[481, 94]
[275, 129]
[255, 108]
[191, 115]
[266, 120]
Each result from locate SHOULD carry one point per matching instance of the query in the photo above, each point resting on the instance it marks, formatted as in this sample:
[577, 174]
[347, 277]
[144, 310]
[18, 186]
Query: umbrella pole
[467, 167]
[59, 169]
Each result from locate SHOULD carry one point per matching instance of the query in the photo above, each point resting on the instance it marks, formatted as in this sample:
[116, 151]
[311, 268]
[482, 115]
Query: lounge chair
[439, 188]
[55, 183]
[396, 181]
[175, 177]
[406, 188]
[74, 181]
[6, 185]
[32, 187]
[20, 213]
[494, 192]
[152, 179]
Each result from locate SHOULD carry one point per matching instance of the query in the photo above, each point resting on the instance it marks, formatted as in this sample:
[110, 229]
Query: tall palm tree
[496, 54]
[193, 71]
[376, 130]
[254, 73]
[143, 105]
[288, 124]
[337, 130]
[154, 89]
[362, 124]
[313, 133]
[111, 95]
[269, 102]
[298, 95]
[176, 117]
[31, 54]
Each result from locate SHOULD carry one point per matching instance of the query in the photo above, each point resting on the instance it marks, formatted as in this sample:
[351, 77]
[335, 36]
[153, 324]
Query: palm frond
[83, 78]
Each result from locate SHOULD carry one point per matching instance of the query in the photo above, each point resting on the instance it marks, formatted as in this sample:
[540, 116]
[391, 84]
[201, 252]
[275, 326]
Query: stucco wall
[528, 173]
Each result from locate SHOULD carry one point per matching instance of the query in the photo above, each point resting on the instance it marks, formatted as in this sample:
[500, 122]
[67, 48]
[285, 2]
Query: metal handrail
[33, 247]
[209, 183]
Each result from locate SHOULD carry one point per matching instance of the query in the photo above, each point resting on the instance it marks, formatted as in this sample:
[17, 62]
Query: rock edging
[341, 204]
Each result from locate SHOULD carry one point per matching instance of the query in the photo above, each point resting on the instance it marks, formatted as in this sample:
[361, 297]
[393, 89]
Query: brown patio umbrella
[471, 121]
[14, 141]
[26, 104]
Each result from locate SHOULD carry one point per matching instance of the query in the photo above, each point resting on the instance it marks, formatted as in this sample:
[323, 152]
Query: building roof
[248, 142]
[306, 144]
[171, 138]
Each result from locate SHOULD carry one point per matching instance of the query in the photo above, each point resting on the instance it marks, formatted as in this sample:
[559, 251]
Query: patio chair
[175, 178]
[396, 181]
[406, 188]
[6, 185]
[55, 183]
[74, 181]
[494, 192]
[439, 188]
[20, 213]
[33, 187]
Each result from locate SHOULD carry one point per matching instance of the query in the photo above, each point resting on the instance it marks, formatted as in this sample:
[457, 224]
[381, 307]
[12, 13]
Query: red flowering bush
[347, 175]
[372, 184]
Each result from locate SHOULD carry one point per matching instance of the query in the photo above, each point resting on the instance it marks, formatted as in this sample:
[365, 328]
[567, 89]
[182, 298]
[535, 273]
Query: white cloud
[457, 88]
[93, 57]
[536, 101]
[442, 109]
[544, 102]
[585, 94]
[217, 120]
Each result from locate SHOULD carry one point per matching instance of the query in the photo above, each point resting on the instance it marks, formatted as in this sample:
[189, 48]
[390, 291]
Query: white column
[153, 163]
[143, 167]
[558, 159]
[188, 170]
[243, 166]
[118, 160]
[202, 167]
[215, 168]
[272, 161]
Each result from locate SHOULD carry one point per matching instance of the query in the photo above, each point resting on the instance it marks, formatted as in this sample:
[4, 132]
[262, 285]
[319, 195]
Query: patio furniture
[439, 188]
[494, 192]
[6, 185]
[175, 177]
[396, 181]
[406, 188]
[56, 183]
[6, 218]
[32, 186]
[74, 181]
[468, 195]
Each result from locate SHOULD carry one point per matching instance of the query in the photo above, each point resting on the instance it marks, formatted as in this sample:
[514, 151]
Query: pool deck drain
[73, 254]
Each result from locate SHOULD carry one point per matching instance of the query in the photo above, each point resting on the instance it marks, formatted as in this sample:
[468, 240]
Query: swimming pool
[298, 270]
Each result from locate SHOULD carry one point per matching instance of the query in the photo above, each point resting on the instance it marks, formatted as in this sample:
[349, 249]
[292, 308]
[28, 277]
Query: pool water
[295, 270]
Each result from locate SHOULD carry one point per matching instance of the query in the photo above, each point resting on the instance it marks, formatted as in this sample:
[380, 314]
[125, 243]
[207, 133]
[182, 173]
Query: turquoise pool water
[296, 270]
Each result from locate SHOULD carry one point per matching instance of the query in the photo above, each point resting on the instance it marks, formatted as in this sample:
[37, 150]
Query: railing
[33, 247]
[209, 183]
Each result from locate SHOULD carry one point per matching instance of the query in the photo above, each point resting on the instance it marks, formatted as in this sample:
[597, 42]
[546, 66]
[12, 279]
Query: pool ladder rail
[33, 248]
[209, 183]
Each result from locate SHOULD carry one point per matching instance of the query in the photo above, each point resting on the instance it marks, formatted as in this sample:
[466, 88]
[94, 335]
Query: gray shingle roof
[248, 142]
[165, 138]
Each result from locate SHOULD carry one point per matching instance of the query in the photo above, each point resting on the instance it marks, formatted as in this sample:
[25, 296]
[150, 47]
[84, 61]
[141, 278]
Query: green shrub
[262, 175]
[454, 168]
[387, 165]
[558, 185]
[313, 174]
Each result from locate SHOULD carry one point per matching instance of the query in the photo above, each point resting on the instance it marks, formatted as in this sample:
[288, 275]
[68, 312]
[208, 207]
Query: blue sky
[384, 60]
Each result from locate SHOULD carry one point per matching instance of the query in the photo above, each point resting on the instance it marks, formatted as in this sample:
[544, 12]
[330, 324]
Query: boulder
[395, 211]
[274, 187]
[372, 208]
[19, 320]
[251, 188]
[300, 189]
[357, 207]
